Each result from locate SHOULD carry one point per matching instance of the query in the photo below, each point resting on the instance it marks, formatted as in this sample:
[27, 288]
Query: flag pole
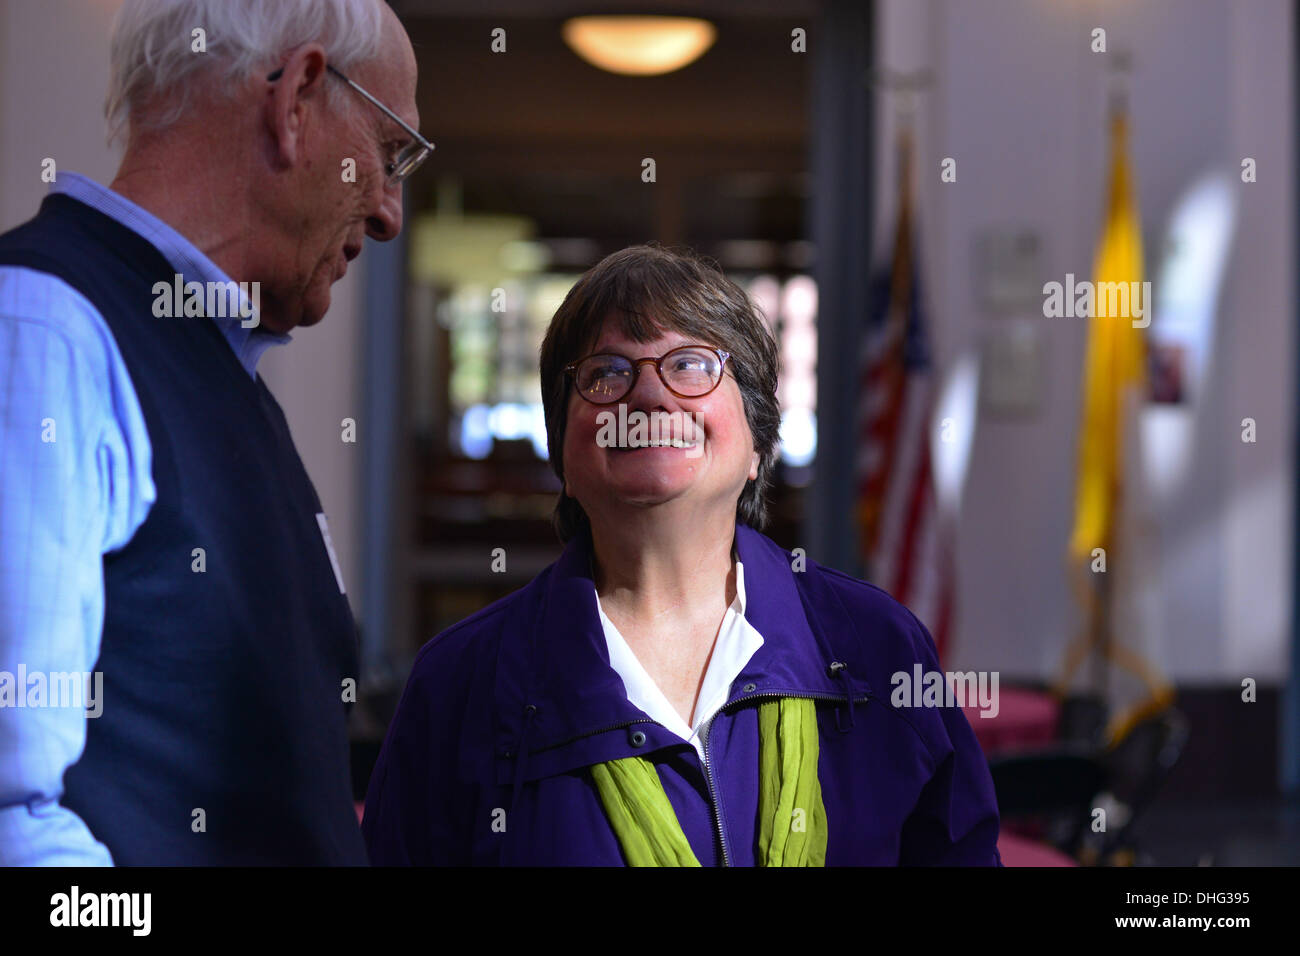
[1094, 593]
[903, 86]
[1120, 65]
[1118, 367]
[902, 537]
[1119, 68]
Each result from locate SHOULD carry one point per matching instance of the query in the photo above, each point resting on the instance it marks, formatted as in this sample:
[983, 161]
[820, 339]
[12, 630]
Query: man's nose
[386, 223]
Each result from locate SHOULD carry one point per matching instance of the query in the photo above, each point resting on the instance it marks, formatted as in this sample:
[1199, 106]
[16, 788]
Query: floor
[1265, 833]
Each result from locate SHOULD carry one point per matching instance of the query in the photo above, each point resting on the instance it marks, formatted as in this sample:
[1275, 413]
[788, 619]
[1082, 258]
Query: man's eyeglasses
[409, 157]
[691, 371]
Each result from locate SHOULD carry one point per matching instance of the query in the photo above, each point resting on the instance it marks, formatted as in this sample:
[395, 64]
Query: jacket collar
[554, 658]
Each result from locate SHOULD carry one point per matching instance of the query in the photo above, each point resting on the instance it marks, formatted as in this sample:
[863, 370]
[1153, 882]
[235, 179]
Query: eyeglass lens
[689, 372]
[407, 161]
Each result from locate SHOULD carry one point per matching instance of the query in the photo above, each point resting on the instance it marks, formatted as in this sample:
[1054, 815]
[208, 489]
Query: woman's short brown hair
[649, 290]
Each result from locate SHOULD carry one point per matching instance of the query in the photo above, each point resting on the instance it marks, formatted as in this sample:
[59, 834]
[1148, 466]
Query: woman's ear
[753, 468]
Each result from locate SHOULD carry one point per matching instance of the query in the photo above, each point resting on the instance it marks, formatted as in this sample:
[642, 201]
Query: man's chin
[314, 309]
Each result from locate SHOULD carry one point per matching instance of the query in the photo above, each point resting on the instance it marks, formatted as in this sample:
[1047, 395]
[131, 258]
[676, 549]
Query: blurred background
[896, 183]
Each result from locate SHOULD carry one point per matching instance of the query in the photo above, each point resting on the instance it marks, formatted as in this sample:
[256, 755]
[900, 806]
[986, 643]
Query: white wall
[1258, 574]
[53, 76]
[1020, 102]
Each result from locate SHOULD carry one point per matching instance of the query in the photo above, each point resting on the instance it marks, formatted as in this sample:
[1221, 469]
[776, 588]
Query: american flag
[904, 539]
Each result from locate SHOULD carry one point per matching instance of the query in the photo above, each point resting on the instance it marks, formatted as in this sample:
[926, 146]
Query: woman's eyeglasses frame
[571, 371]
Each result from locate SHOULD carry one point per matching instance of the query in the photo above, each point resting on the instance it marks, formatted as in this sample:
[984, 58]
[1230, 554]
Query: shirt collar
[739, 602]
[577, 693]
[248, 343]
[735, 643]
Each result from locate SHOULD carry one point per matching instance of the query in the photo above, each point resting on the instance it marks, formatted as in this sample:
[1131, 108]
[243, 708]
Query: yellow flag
[1116, 361]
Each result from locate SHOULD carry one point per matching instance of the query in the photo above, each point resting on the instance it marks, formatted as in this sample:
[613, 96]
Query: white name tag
[329, 547]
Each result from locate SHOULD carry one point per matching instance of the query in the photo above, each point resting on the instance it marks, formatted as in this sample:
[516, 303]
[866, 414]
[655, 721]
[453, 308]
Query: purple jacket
[485, 762]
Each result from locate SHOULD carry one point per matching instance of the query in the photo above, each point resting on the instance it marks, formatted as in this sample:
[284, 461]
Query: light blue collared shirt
[76, 482]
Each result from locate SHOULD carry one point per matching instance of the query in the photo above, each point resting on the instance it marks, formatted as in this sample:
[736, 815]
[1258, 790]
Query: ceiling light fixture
[638, 45]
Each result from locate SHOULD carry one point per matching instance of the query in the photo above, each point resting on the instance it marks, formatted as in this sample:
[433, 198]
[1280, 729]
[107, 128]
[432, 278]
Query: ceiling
[558, 9]
[537, 131]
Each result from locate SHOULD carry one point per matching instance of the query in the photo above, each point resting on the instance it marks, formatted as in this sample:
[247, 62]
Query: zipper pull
[841, 670]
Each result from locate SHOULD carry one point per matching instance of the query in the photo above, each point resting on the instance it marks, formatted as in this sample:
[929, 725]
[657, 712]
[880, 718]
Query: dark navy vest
[223, 734]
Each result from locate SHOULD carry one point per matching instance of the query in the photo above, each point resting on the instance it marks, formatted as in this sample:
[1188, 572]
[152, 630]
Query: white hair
[151, 50]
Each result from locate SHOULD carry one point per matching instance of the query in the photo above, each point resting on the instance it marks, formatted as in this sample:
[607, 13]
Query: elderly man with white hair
[157, 528]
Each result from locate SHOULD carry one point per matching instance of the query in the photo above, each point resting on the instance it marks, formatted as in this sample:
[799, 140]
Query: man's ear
[299, 89]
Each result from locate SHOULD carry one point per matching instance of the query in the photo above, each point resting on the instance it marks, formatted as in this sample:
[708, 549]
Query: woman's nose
[648, 391]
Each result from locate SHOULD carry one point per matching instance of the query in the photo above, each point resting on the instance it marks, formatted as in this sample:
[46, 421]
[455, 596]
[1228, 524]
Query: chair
[1017, 851]
[1138, 765]
[1049, 793]
[1052, 793]
[1082, 720]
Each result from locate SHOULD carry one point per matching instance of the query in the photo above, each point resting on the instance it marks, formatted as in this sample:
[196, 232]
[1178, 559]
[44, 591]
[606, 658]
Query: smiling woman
[636, 296]
[676, 689]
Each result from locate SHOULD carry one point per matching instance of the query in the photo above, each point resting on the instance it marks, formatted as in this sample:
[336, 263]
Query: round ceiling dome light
[639, 45]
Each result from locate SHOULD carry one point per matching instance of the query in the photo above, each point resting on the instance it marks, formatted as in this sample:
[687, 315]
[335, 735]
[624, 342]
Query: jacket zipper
[708, 774]
[713, 794]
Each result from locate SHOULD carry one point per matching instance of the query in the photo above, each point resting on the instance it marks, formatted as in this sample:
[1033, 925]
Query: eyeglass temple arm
[276, 74]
